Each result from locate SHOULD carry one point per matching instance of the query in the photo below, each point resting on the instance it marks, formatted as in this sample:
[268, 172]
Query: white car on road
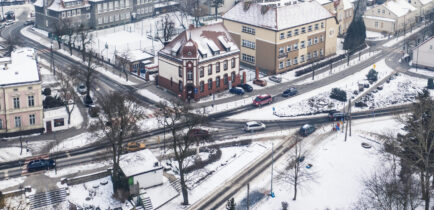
[254, 126]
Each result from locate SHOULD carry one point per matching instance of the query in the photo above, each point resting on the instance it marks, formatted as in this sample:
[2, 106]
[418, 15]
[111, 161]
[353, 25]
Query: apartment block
[20, 96]
[280, 38]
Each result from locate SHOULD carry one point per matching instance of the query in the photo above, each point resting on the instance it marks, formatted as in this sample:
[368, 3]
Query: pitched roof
[58, 6]
[21, 68]
[399, 7]
[425, 2]
[199, 41]
[277, 18]
[431, 39]
[135, 163]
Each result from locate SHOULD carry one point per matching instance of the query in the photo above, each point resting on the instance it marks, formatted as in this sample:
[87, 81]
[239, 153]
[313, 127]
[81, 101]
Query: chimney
[191, 26]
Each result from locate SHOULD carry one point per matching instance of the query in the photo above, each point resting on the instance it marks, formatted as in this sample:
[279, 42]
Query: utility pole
[343, 119]
[346, 128]
[331, 67]
[272, 162]
[248, 192]
[350, 116]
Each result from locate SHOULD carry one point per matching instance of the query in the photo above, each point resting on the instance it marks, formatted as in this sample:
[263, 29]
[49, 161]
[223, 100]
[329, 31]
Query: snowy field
[422, 71]
[338, 169]
[11, 182]
[13, 153]
[77, 141]
[314, 101]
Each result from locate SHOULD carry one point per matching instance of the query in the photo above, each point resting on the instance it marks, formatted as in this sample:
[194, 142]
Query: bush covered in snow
[51, 102]
[338, 94]
[46, 92]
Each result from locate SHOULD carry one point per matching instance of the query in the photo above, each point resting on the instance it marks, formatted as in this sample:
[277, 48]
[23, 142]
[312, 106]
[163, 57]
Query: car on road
[290, 92]
[246, 87]
[301, 159]
[134, 146]
[254, 126]
[9, 22]
[306, 129]
[262, 100]
[29, 22]
[335, 115]
[40, 164]
[236, 90]
[260, 82]
[81, 88]
[198, 133]
[275, 79]
[88, 102]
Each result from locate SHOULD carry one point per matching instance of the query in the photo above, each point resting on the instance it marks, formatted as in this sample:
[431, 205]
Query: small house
[142, 169]
[134, 60]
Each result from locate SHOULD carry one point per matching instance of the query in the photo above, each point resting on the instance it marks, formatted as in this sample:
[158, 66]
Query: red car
[262, 100]
[198, 133]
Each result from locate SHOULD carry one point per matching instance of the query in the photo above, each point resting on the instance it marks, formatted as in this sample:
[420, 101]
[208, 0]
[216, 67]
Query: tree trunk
[295, 190]
[183, 185]
[422, 183]
[59, 43]
[216, 11]
[427, 191]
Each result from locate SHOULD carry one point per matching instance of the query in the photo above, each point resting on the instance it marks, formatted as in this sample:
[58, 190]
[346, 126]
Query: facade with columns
[199, 62]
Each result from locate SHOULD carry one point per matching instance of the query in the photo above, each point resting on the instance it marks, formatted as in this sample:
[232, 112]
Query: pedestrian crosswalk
[45, 199]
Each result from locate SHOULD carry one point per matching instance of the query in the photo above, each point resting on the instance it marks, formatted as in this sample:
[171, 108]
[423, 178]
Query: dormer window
[189, 53]
[217, 52]
[204, 56]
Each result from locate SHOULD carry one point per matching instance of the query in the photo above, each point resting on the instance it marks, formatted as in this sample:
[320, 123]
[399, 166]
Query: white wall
[149, 179]
[426, 54]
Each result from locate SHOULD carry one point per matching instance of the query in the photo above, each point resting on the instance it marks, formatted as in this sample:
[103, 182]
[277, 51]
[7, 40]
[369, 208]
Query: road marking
[67, 154]
[7, 174]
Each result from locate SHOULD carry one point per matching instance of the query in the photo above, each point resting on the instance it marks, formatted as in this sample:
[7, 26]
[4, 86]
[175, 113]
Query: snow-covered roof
[22, 68]
[205, 40]
[425, 2]
[58, 6]
[324, 1]
[428, 41]
[380, 18]
[135, 163]
[277, 18]
[39, 3]
[137, 55]
[165, 4]
[399, 7]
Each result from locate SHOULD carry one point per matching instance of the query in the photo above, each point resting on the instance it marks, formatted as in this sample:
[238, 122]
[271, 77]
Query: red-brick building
[199, 62]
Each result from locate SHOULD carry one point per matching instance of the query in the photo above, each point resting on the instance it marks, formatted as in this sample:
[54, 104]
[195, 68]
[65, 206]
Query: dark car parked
[306, 130]
[40, 164]
[246, 87]
[236, 90]
[88, 102]
[198, 133]
[290, 92]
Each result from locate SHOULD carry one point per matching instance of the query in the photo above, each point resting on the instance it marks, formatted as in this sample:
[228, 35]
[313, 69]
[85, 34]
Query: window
[217, 67]
[32, 119]
[17, 121]
[63, 14]
[248, 44]
[233, 63]
[295, 61]
[378, 11]
[295, 32]
[225, 79]
[190, 75]
[321, 38]
[309, 28]
[295, 46]
[321, 52]
[248, 30]
[225, 65]
[122, 4]
[180, 86]
[31, 100]
[281, 51]
[59, 122]
[127, 3]
[106, 19]
[376, 24]
[116, 17]
[68, 13]
[303, 30]
[309, 42]
[73, 12]
[288, 48]
[282, 35]
[289, 34]
[105, 7]
[233, 77]
[209, 84]
[78, 12]
[316, 26]
[301, 58]
[288, 63]
[209, 69]
[111, 18]
[281, 65]
[179, 71]
[383, 11]
[217, 82]
[302, 44]
[116, 4]
[202, 86]
[99, 6]
[248, 58]
[315, 40]
[315, 54]
[16, 103]
[308, 56]
[322, 25]
[1, 124]
[201, 72]
[100, 20]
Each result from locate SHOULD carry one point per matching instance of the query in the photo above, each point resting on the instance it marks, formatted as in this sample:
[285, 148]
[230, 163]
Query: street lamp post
[272, 162]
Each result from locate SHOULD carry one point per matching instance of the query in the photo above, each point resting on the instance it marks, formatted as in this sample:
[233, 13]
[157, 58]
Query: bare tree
[165, 29]
[70, 33]
[86, 37]
[179, 120]
[67, 93]
[216, 4]
[118, 120]
[89, 73]
[59, 32]
[123, 61]
[11, 43]
[295, 173]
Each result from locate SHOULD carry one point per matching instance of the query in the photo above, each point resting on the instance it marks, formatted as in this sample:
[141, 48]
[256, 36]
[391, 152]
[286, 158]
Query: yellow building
[280, 38]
